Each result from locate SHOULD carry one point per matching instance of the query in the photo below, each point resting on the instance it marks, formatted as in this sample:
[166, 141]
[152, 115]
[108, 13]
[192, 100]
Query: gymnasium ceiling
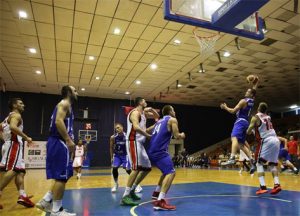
[66, 32]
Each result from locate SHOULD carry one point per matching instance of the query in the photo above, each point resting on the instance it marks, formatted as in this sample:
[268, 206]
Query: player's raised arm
[284, 140]
[111, 148]
[175, 130]
[62, 109]
[14, 121]
[234, 110]
[135, 115]
[151, 113]
[253, 123]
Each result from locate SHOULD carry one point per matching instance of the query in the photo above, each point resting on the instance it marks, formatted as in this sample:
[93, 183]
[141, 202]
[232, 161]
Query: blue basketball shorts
[239, 130]
[121, 160]
[58, 162]
[164, 164]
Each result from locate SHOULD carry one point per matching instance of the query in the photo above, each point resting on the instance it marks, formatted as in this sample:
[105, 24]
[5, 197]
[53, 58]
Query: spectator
[293, 149]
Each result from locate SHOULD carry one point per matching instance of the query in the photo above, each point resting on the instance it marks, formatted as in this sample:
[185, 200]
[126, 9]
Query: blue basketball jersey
[120, 144]
[244, 113]
[68, 123]
[160, 139]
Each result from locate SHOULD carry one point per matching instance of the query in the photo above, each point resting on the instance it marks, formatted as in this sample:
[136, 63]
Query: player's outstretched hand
[29, 141]
[223, 105]
[182, 135]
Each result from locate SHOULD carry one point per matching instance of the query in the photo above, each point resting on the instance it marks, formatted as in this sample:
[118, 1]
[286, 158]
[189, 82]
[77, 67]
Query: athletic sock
[262, 180]
[57, 204]
[48, 196]
[127, 191]
[276, 180]
[161, 196]
[157, 189]
[22, 193]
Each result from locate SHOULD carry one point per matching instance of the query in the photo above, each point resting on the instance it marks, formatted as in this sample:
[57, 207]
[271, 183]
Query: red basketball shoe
[262, 190]
[276, 189]
[163, 205]
[25, 201]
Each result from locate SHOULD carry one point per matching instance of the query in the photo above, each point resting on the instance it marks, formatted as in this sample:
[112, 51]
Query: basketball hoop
[207, 44]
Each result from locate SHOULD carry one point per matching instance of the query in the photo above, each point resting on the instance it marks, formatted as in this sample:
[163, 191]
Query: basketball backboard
[87, 135]
[238, 17]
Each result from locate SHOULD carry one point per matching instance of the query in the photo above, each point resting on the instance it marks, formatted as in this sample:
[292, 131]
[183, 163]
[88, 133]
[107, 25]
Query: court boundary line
[132, 210]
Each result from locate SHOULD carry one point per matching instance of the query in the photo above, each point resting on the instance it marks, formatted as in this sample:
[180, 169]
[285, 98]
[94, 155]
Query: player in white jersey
[12, 163]
[135, 139]
[268, 150]
[79, 157]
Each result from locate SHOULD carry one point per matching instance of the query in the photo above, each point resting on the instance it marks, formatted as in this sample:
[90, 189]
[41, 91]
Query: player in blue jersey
[238, 135]
[284, 155]
[59, 147]
[118, 154]
[158, 154]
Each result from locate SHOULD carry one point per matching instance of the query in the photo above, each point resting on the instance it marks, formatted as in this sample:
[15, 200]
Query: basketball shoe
[163, 205]
[276, 189]
[25, 201]
[44, 205]
[262, 190]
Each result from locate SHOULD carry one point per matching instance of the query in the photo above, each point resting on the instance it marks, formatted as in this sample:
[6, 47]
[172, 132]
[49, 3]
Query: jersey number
[268, 124]
[156, 129]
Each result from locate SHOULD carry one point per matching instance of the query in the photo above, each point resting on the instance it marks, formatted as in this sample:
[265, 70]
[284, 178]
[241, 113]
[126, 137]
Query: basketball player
[284, 154]
[59, 146]
[12, 162]
[268, 150]
[136, 137]
[118, 154]
[238, 135]
[159, 156]
[79, 157]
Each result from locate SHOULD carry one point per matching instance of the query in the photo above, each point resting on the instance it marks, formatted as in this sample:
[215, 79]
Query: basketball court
[194, 53]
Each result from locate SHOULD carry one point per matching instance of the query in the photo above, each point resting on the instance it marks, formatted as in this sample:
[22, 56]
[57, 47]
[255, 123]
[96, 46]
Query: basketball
[252, 79]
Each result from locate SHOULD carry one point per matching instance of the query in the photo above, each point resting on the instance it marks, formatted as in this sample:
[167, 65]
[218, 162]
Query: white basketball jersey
[8, 136]
[265, 129]
[79, 152]
[131, 133]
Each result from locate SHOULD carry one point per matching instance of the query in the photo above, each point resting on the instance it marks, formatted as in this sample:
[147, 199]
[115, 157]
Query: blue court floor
[206, 198]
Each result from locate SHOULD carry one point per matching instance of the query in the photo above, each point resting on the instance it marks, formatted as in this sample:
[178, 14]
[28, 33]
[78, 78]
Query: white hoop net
[207, 44]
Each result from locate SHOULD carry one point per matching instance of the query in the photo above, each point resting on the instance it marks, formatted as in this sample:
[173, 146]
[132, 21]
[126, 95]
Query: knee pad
[260, 168]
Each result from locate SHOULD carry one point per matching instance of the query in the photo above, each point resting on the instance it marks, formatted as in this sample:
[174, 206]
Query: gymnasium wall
[203, 125]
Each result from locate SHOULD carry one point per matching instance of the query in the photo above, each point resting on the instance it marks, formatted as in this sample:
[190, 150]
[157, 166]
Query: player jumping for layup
[268, 149]
[238, 135]
[159, 156]
[136, 137]
[118, 154]
[59, 146]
